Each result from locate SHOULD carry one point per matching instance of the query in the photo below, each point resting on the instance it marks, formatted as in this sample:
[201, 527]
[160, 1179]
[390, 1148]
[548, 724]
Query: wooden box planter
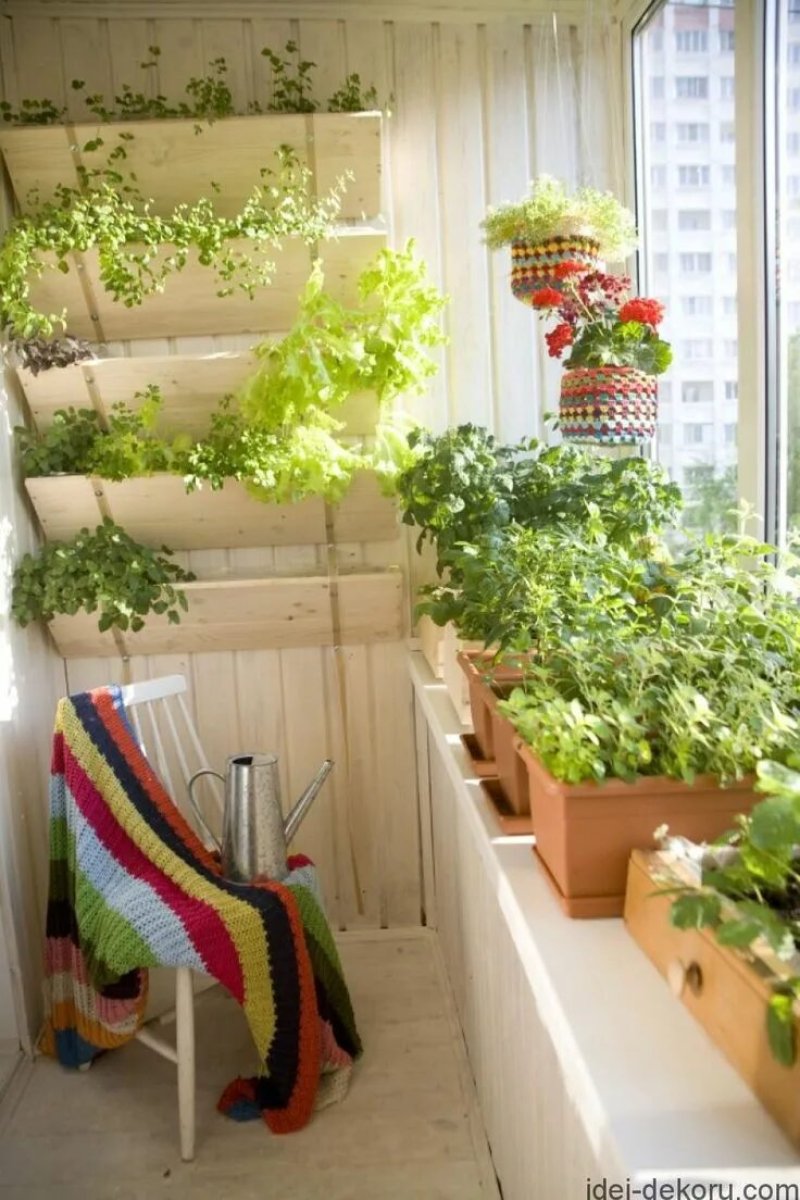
[723, 990]
[176, 161]
[189, 304]
[585, 832]
[254, 614]
[157, 510]
[191, 387]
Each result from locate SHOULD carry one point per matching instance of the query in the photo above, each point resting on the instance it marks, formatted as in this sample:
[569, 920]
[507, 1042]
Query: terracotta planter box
[723, 990]
[585, 832]
[480, 673]
[511, 770]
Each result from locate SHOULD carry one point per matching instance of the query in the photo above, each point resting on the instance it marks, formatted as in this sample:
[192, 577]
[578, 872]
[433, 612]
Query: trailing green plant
[550, 211]
[66, 447]
[749, 896]
[42, 354]
[696, 672]
[138, 251]
[102, 571]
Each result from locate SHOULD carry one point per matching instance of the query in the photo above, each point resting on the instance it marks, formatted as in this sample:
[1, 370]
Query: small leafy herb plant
[102, 571]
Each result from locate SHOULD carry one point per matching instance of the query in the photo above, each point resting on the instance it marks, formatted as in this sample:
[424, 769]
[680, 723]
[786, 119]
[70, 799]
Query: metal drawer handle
[681, 975]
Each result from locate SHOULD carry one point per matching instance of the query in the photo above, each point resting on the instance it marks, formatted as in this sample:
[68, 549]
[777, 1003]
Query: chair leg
[184, 1035]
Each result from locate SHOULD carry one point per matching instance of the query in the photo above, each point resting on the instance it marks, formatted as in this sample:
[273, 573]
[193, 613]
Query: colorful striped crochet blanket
[131, 887]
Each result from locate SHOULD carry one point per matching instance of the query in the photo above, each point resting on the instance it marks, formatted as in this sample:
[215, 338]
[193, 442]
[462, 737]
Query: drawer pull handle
[681, 975]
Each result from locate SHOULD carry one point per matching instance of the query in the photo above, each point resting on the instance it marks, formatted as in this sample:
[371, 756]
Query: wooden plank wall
[480, 105]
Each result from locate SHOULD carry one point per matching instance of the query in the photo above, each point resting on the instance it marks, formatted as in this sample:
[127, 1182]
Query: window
[697, 306]
[793, 54]
[730, 348]
[694, 218]
[699, 287]
[692, 131]
[730, 433]
[731, 389]
[692, 349]
[793, 99]
[691, 41]
[695, 262]
[696, 434]
[657, 87]
[694, 175]
[658, 177]
[664, 392]
[658, 131]
[793, 141]
[691, 87]
[697, 393]
[659, 220]
[661, 263]
[793, 186]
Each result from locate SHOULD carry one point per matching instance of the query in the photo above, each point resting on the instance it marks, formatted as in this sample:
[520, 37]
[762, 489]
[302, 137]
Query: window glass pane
[788, 236]
[686, 143]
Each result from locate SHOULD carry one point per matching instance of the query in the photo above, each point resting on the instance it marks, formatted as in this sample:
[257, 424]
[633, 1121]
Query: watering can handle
[196, 807]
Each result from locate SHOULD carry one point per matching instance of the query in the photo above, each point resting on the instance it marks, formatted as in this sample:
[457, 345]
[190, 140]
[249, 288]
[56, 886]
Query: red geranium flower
[566, 269]
[558, 340]
[546, 297]
[647, 312]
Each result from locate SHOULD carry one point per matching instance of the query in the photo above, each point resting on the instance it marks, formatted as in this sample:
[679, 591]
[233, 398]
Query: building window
[695, 262]
[658, 177]
[696, 434]
[793, 54]
[692, 131]
[726, 132]
[727, 40]
[729, 306]
[697, 306]
[731, 389]
[659, 220]
[657, 87]
[697, 393]
[730, 433]
[728, 176]
[692, 349]
[793, 141]
[793, 99]
[691, 41]
[728, 218]
[691, 87]
[694, 218]
[661, 263]
[730, 348]
[694, 176]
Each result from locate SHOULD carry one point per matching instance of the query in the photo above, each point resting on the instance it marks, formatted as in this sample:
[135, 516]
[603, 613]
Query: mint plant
[103, 571]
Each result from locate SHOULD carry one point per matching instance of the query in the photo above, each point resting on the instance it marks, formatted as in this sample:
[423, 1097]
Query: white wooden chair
[166, 733]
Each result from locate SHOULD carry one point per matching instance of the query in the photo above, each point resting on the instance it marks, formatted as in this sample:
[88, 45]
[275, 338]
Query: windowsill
[651, 1088]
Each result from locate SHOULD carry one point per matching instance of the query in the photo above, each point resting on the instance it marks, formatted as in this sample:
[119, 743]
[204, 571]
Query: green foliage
[750, 896]
[660, 667]
[606, 341]
[65, 448]
[138, 251]
[102, 571]
[549, 211]
[711, 499]
[464, 485]
[333, 352]
[205, 97]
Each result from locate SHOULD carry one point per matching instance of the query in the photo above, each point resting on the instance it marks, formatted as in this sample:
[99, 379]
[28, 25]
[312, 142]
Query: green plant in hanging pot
[609, 392]
[105, 571]
[552, 226]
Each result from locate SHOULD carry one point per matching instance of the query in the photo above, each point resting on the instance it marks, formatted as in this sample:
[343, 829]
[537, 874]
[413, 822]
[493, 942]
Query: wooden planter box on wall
[726, 993]
[157, 510]
[191, 386]
[189, 304]
[254, 614]
[176, 161]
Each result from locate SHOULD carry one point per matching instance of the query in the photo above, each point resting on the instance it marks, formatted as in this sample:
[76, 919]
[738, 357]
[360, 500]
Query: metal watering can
[254, 833]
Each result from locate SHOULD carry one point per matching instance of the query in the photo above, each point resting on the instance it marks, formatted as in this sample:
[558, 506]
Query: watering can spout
[295, 817]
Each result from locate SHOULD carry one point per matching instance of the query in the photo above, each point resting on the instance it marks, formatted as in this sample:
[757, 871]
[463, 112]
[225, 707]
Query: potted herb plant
[609, 392]
[722, 923]
[550, 226]
[654, 703]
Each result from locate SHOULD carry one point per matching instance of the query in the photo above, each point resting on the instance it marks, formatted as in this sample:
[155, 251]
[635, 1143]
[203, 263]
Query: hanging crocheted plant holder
[612, 406]
[532, 263]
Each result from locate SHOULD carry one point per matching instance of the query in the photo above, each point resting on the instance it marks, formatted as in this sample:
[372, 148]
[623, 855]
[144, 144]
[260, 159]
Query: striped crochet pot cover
[611, 405]
[532, 262]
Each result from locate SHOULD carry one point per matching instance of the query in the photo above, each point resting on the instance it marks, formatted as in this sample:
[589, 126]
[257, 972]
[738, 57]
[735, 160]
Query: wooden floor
[408, 1130]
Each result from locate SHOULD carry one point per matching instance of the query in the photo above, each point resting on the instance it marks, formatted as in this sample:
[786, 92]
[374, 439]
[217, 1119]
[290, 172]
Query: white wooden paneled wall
[480, 104]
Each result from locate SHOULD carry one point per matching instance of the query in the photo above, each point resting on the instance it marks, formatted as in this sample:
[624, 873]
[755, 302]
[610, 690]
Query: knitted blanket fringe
[132, 887]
